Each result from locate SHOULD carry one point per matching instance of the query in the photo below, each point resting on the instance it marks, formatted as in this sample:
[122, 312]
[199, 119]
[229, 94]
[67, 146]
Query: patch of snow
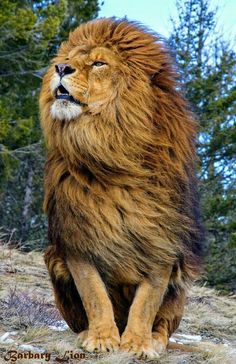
[188, 338]
[59, 326]
[4, 337]
[5, 340]
[31, 348]
[13, 333]
[8, 341]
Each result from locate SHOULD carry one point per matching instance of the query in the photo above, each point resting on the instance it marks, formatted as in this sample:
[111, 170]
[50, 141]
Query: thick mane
[144, 138]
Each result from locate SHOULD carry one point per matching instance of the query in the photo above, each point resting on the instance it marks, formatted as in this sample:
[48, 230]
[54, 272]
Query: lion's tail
[182, 347]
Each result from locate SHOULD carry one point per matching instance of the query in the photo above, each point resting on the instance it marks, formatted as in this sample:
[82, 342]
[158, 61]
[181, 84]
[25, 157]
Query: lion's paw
[100, 339]
[140, 345]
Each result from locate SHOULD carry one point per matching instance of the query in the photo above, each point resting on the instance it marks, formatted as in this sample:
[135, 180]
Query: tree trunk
[27, 203]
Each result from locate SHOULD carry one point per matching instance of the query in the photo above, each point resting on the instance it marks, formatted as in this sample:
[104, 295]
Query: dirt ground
[31, 325]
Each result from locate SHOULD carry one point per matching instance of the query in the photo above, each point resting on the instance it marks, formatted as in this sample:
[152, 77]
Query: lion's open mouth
[61, 93]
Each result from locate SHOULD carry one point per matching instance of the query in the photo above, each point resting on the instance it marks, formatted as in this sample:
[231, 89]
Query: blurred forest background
[30, 33]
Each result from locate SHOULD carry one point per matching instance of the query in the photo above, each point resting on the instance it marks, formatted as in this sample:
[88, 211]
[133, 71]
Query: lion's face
[83, 80]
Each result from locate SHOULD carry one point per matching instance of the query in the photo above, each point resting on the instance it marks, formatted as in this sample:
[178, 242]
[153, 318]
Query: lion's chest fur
[113, 226]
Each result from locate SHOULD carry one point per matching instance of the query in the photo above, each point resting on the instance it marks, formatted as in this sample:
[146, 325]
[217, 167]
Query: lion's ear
[153, 77]
[162, 80]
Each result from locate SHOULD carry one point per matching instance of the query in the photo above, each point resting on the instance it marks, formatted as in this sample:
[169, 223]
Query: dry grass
[27, 312]
[23, 310]
[35, 334]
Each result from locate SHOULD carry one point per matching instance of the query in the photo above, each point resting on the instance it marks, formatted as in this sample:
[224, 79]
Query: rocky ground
[32, 331]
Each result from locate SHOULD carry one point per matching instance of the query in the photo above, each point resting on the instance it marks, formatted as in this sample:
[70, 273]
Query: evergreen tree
[30, 33]
[207, 65]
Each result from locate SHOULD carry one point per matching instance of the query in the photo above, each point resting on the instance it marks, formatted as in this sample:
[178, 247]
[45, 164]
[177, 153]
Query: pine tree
[30, 33]
[207, 65]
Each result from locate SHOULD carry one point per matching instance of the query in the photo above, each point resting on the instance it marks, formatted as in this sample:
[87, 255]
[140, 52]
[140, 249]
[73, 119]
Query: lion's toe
[140, 345]
[100, 340]
[82, 337]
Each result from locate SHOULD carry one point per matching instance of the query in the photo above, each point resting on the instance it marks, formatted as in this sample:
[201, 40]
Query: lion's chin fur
[65, 110]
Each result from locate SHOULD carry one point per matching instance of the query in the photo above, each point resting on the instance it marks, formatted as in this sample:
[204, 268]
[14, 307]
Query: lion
[120, 188]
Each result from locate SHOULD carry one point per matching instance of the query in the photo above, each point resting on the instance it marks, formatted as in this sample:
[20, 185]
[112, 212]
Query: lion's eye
[98, 64]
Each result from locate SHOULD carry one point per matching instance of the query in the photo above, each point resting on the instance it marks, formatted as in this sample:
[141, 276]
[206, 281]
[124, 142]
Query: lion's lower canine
[119, 188]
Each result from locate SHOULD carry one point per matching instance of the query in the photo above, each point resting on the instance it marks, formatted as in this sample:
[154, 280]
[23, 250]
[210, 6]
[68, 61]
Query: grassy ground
[29, 321]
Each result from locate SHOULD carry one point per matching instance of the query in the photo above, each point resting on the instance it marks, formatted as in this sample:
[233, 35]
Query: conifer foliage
[30, 33]
[207, 64]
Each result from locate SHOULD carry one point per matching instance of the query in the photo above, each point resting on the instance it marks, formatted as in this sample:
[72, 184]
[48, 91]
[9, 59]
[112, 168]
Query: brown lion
[120, 188]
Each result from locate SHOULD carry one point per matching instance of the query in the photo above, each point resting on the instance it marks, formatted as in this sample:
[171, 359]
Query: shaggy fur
[120, 187]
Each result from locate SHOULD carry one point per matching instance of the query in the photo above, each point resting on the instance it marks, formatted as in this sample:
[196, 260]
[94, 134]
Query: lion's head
[101, 61]
[111, 95]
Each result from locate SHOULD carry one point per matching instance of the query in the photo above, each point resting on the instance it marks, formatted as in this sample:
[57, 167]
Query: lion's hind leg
[168, 317]
[67, 298]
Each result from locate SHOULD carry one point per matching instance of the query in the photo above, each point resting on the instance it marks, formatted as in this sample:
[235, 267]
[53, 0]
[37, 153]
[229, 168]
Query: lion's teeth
[61, 93]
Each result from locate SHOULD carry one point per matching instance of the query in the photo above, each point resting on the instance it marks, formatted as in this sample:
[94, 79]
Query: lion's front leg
[102, 334]
[137, 336]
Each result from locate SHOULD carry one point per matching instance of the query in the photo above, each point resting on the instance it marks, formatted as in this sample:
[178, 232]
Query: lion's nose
[64, 69]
